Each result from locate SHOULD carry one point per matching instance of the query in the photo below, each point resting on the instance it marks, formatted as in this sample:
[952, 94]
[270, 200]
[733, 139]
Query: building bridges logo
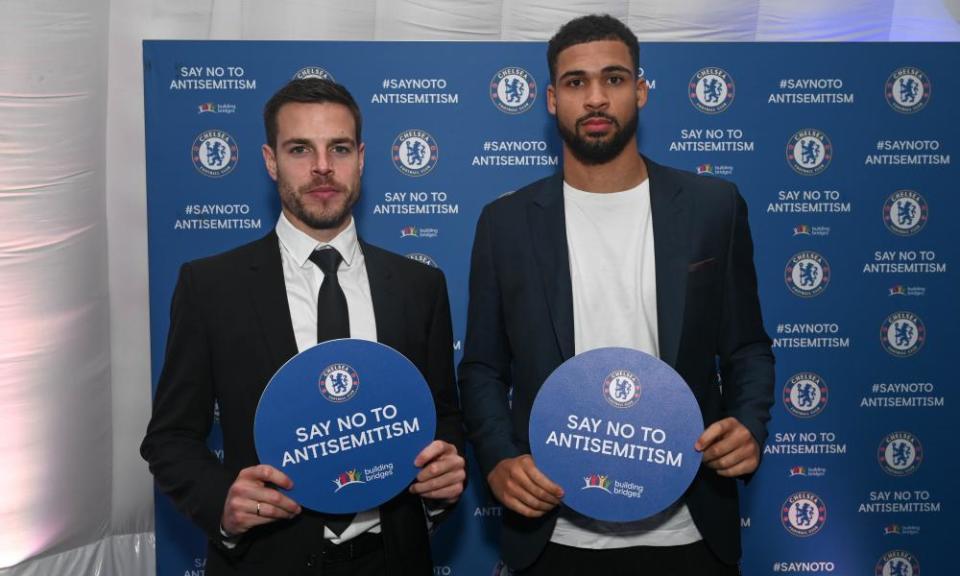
[347, 478]
[597, 481]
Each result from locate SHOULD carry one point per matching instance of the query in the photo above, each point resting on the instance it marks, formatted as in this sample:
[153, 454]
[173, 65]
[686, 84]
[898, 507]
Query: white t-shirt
[614, 279]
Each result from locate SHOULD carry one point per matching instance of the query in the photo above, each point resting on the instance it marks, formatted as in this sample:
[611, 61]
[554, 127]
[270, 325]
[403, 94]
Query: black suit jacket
[520, 328]
[230, 330]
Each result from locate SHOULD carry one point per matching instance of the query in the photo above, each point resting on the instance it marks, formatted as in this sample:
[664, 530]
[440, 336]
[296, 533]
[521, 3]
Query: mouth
[322, 192]
[596, 125]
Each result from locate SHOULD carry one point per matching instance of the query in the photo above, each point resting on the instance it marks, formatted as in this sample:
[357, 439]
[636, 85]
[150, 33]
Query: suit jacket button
[311, 560]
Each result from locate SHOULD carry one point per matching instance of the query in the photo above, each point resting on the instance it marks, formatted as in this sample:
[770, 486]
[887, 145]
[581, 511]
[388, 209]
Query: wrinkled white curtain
[56, 449]
[74, 349]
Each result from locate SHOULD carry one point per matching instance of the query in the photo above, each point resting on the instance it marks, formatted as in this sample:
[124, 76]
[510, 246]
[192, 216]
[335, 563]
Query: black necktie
[333, 318]
[333, 321]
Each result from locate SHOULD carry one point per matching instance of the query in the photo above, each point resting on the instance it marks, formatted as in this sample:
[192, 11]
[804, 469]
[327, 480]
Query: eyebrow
[605, 70]
[308, 142]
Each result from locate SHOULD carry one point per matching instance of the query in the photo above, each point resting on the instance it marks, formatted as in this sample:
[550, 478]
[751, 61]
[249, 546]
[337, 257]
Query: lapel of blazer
[669, 204]
[269, 298]
[548, 232]
[387, 311]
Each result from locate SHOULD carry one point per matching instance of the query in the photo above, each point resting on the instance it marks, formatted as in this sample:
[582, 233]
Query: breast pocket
[703, 272]
[704, 288]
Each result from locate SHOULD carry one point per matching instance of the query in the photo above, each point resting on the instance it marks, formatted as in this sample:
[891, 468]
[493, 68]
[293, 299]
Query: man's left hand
[729, 448]
[443, 472]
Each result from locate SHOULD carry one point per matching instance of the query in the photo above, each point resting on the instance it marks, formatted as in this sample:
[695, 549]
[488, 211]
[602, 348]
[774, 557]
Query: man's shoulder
[687, 179]
[403, 266]
[239, 257]
[538, 189]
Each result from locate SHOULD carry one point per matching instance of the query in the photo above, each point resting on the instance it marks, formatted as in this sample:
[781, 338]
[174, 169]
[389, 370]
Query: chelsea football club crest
[897, 563]
[513, 90]
[809, 152]
[805, 395]
[214, 153]
[415, 153]
[807, 274]
[902, 334]
[621, 388]
[711, 90]
[313, 72]
[803, 514]
[908, 90]
[339, 382]
[900, 454]
[905, 213]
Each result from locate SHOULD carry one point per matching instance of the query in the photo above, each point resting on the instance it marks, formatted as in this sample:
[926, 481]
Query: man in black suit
[614, 251]
[237, 317]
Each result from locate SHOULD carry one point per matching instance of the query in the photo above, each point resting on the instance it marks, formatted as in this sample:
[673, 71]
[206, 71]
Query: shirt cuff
[229, 541]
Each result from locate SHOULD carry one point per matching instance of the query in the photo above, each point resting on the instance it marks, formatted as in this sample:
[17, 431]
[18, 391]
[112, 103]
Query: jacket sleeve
[485, 369]
[746, 358]
[440, 374]
[183, 409]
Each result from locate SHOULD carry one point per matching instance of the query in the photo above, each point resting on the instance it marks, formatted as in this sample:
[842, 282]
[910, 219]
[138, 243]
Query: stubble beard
[329, 218]
[596, 151]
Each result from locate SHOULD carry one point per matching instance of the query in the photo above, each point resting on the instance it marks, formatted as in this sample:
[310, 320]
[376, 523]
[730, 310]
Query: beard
[594, 150]
[319, 217]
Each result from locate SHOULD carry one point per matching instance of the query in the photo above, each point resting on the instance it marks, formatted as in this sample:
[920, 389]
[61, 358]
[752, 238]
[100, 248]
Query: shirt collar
[300, 245]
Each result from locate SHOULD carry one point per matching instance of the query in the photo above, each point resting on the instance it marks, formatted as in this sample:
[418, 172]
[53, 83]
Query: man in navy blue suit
[615, 250]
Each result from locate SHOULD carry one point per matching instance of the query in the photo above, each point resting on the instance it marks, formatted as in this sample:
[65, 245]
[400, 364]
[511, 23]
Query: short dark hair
[310, 91]
[591, 29]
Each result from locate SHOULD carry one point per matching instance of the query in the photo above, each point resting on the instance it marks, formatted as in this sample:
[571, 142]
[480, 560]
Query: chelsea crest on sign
[902, 334]
[907, 90]
[214, 153]
[803, 514]
[897, 563]
[711, 90]
[807, 274]
[339, 382]
[621, 388]
[805, 395]
[905, 213]
[809, 152]
[415, 152]
[900, 454]
[513, 90]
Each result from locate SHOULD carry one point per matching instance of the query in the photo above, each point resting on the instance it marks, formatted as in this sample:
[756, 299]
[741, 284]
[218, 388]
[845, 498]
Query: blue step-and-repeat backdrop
[844, 153]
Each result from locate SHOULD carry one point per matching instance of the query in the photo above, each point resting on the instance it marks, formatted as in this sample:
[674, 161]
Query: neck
[624, 172]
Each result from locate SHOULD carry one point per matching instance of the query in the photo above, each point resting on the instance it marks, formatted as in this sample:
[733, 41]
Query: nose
[596, 96]
[322, 166]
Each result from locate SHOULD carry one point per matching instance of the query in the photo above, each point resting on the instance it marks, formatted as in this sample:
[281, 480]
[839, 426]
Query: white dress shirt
[302, 279]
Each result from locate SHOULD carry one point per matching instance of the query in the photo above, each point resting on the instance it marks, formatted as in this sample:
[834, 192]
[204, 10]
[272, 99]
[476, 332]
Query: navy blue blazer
[520, 328]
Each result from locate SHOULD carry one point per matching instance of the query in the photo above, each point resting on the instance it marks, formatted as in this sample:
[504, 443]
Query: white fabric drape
[55, 408]
[74, 345]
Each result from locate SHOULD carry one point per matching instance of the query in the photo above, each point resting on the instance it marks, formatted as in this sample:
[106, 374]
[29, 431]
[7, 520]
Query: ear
[361, 152]
[551, 100]
[270, 160]
[642, 92]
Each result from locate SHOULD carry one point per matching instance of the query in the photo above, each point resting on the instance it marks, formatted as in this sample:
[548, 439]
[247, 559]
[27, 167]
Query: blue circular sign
[345, 421]
[615, 428]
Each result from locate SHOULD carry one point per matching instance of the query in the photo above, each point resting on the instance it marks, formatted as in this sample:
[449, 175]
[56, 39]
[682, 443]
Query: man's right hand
[252, 500]
[521, 487]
